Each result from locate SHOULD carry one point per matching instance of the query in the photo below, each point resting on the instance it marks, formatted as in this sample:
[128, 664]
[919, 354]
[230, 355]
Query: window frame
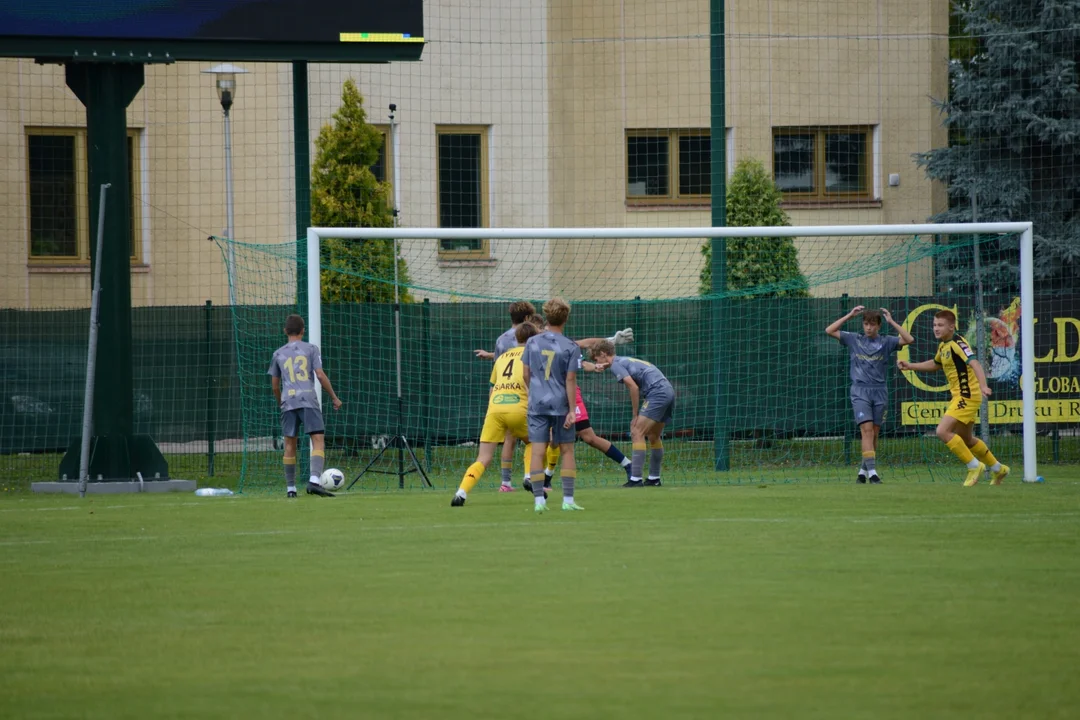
[820, 196]
[484, 252]
[388, 153]
[82, 198]
[673, 196]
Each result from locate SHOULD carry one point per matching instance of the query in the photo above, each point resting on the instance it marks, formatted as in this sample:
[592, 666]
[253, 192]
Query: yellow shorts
[498, 423]
[965, 410]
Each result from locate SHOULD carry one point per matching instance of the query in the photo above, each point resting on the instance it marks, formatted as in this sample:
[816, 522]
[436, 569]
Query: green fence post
[425, 381]
[210, 399]
[718, 179]
[847, 426]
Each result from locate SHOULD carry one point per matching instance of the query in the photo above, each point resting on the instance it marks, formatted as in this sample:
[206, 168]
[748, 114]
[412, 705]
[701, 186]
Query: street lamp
[225, 83]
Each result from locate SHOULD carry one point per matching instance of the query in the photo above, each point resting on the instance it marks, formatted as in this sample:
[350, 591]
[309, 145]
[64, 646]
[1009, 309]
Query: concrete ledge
[108, 488]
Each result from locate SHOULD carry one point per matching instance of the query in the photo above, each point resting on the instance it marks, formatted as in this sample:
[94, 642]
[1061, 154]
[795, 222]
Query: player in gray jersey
[651, 388]
[870, 360]
[551, 362]
[293, 370]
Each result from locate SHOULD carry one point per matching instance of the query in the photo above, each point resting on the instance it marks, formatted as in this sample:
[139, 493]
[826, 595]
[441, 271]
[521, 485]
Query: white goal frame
[1024, 229]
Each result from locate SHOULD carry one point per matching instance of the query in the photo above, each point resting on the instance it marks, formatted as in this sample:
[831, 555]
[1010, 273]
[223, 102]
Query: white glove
[622, 337]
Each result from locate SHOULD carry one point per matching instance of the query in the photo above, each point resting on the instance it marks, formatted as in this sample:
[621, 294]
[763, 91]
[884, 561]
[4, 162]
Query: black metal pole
[425, 381]
[210, 404]
[847, 424]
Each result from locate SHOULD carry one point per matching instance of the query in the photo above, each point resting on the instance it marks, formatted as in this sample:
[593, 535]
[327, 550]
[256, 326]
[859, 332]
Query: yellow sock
[552, 458]
[472, 476]
[982, 452]
[960, 449]
[507, 464]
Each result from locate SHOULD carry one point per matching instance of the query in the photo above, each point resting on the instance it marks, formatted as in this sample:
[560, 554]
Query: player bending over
[520, 311]
[647, 385]
[551, 364]
[506, 412]
[869, 364]
[293, 370]
[967, 383]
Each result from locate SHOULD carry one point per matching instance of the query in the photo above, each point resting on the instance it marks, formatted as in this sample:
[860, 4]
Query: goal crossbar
[1023, 229]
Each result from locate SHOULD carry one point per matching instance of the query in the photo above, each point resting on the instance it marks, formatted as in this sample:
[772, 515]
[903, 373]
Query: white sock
[625, 461]
[974, 463]
[654, 477]
[996, 467]
[314, 479]
[568, 500]
[461, 493]
[548, 476]
[290, 488]
[634, 479]
[541, 501]
[506, 482]
[862, 472]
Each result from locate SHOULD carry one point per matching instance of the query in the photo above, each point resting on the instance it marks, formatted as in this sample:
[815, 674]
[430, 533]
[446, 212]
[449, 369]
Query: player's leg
[318, 452]
[869, 455]
[507, 458]
[551, 458]
[656, 455]
[640, 429]
[864, 414]
[290, 466]
[952, 430]
[539, 433]
[472, 475]
[982, 452]
[568, 471]
[588, 436]
[976, 468]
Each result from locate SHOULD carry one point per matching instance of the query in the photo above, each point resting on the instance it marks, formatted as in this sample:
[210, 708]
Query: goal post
[315, 267]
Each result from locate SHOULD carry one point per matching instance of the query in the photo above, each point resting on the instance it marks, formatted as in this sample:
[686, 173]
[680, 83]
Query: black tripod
[399, 440]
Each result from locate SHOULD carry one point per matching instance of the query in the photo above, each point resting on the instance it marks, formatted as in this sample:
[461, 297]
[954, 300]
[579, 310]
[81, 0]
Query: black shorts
[582, 425]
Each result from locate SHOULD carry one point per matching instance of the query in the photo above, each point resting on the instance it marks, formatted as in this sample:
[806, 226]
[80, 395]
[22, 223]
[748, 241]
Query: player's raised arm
[484, 354]
[906, 338]
[924, 366]
[834, 329]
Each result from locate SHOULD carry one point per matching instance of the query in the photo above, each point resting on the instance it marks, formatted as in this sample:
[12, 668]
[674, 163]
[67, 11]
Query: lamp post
[225, 83]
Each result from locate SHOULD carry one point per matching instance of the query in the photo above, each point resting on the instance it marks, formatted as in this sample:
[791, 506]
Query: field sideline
[792, 600]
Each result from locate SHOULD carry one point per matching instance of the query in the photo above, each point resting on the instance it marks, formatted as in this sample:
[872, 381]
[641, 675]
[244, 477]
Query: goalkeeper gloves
[622, 337]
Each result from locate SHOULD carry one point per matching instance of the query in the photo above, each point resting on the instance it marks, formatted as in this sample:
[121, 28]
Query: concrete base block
[108, 488]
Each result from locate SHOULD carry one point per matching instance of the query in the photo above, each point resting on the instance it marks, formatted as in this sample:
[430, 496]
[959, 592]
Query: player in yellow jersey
[967, 383]
[506, 414]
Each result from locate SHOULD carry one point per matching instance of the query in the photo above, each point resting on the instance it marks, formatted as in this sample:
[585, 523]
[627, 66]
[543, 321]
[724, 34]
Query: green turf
[802, 600]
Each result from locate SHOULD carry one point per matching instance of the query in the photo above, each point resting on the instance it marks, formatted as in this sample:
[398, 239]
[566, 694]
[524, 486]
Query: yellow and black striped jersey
[954, 356]
[508, 381]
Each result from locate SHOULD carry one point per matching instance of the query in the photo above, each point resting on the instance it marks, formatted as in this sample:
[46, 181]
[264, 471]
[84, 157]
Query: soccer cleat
[290, 494]
[633, 483]
[973, 475]
[653, 482]
[528, 488]
[457, 501]
[875, 479]
[1000, 475]
[314, 489]
[540, 508]
[506, 488]
[571, 506]
[861, 479]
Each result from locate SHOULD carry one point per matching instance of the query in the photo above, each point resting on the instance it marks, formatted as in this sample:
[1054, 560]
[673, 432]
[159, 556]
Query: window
[462, 177]
[827, 164]
[668, 167]
[59, 212]
[382, 169]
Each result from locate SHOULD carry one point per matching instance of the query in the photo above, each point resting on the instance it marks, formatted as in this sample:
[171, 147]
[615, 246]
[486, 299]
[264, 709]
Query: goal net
[762, 391]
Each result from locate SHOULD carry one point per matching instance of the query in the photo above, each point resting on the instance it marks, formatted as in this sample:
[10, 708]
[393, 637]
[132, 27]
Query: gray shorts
[549, 428]
[659, 403]
[310, 418]
[868, 404]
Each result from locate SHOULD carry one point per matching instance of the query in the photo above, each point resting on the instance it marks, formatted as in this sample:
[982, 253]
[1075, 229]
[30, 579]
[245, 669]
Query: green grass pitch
[803, 600]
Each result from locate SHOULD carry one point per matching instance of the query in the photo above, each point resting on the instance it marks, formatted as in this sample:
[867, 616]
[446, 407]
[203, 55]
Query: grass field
[791, 600]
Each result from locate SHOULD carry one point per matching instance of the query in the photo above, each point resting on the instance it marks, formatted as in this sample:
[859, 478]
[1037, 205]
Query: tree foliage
[345, 193]
[753, 200]
[1014, 137]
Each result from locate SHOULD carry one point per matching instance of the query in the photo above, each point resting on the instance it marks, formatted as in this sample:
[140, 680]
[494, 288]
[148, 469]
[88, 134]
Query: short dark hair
[872, 316]
[946, 315]
[294, 325]
[525, 331]
[520, 311]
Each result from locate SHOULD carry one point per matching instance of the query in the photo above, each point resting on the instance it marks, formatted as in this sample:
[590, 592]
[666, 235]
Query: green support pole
[211, 408]
[106, 89]
[718, 157]
[302, 171]
[844, 306]
[426, 382]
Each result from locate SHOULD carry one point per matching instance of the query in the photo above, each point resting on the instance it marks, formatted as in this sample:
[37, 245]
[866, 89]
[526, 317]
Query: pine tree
[1014, 124]
[753, 200]
[345, 193]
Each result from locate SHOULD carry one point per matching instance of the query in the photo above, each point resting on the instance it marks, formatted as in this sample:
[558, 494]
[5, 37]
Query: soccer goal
[763, 393]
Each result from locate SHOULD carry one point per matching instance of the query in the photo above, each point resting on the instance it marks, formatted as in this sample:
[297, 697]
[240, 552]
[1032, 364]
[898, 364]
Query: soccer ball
[332, 479]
